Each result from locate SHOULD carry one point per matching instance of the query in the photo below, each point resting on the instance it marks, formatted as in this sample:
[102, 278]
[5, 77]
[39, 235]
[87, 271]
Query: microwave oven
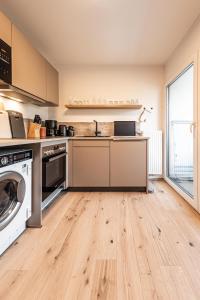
[5, 63]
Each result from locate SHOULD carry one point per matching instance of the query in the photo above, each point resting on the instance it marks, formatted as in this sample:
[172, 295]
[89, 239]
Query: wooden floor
[108, 246]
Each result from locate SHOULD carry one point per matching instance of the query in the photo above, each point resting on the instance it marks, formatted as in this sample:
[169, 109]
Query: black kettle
[62, 130]
[71, 131]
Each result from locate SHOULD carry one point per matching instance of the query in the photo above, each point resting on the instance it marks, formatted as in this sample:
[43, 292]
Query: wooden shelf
[98, 106]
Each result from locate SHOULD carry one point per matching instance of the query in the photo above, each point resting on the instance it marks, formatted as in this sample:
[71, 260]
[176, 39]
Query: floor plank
[108, 246]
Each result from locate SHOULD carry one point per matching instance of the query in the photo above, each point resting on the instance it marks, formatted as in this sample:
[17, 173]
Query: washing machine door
[12, 193]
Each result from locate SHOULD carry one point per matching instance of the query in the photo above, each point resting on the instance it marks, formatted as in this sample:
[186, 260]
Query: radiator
[155, 152]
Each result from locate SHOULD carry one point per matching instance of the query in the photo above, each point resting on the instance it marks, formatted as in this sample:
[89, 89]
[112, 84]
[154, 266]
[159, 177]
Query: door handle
[57, 157]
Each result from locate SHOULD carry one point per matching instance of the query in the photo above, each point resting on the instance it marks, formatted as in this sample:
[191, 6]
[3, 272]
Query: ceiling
[104, 31]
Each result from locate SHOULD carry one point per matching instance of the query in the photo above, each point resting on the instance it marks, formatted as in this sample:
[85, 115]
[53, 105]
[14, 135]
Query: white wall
[113, 83]
[186, 50]
[185, 53]
[28, 110]
[105, 82]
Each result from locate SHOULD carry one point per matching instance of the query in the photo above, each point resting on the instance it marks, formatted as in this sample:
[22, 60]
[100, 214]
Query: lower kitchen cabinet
[128, 163]
[90, 164]
[108, 163]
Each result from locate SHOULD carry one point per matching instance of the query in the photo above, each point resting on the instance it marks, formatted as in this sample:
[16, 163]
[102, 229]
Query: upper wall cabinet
[52, 94]
[28, 66]
[5, 29]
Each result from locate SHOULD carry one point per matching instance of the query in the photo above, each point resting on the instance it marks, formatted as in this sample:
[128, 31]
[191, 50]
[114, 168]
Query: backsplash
[88, 128]
[84, 128]
[28, 110]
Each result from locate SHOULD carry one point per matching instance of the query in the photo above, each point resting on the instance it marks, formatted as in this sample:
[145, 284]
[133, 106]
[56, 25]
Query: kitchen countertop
[78, 137]
[15, 142]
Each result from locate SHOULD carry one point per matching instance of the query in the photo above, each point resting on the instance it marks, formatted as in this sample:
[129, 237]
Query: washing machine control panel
[4, 160]
[9, 157]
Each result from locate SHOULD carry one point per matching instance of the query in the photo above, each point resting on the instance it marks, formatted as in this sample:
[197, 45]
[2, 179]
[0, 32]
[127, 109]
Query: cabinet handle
[55, 157]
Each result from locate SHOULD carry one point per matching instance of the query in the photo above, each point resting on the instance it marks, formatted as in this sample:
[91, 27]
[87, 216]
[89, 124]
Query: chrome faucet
[97, 132]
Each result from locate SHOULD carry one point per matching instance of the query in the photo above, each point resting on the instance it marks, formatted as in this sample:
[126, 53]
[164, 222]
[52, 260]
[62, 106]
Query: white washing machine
[15, 194]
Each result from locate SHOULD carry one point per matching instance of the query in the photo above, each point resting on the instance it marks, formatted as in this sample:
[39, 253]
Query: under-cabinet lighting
[11, 98]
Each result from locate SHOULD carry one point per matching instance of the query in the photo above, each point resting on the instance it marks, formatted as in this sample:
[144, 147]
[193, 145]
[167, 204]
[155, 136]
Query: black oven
[5, 62]
[53, 169]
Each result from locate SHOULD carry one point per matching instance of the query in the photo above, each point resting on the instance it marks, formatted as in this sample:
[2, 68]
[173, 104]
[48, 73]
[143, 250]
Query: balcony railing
[181, 150]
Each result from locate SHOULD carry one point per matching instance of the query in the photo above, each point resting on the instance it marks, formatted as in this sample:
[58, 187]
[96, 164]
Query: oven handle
[56, 157]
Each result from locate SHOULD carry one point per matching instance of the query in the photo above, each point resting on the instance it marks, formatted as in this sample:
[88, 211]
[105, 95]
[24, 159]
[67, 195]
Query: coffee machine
[51, 126]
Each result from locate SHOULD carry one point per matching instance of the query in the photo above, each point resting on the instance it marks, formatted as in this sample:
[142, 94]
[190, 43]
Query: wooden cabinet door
[28, 66]
[90, 166]
[52, 84]
[5, 29]
[128, 163]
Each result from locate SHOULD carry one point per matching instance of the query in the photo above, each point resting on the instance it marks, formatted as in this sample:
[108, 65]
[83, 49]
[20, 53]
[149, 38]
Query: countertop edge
[15, 142]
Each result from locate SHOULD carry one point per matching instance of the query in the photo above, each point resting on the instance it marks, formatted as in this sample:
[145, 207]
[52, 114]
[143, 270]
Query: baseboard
[156, 177]
[107, 189]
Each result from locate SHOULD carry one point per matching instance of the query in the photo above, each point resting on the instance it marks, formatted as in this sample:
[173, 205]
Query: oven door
[53, 174]
[12, 193]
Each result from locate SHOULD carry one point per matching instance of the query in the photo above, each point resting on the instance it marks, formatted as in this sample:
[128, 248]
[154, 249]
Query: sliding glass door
[180, 132]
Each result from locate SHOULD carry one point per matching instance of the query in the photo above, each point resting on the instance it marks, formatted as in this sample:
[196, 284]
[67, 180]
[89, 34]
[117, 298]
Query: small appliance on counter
[16, 124]
[51, 127]
[63, 130]
[71, 131]
[124, 128]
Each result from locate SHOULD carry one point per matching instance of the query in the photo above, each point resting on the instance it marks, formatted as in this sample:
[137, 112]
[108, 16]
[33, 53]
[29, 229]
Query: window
[180, 131]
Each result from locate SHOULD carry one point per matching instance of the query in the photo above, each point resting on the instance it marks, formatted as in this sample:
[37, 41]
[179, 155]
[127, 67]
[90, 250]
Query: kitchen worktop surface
[14, 142]
[110, 137]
